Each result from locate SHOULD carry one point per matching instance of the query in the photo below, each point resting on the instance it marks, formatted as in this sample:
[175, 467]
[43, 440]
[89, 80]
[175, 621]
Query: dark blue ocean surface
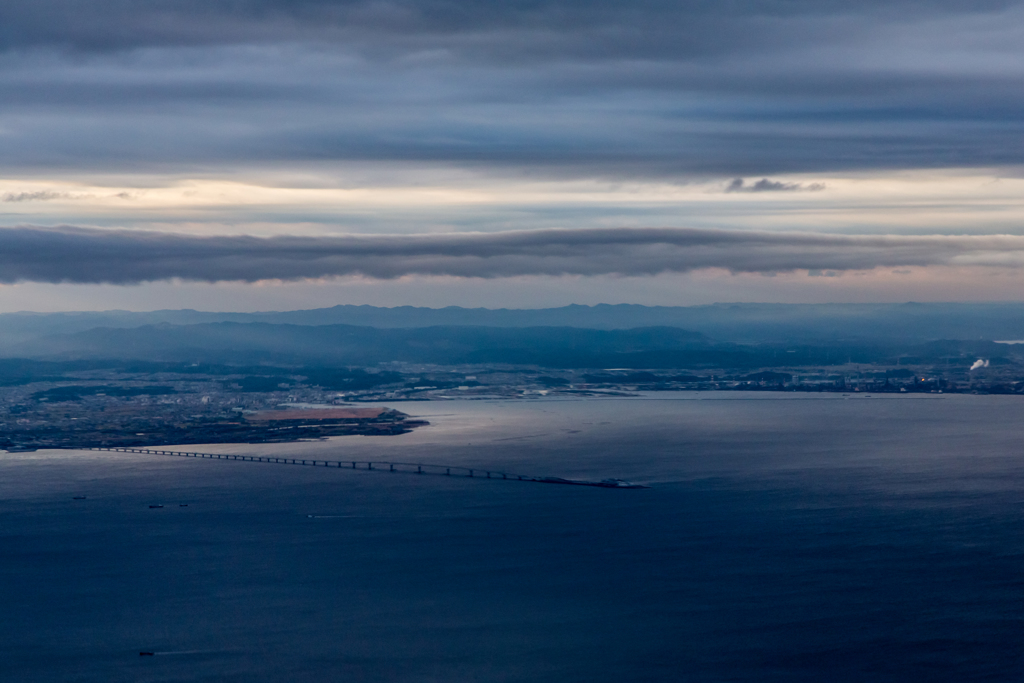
[782, 539]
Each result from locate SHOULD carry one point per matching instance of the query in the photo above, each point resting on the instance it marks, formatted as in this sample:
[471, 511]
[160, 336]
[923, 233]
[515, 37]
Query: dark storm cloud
[572, 88]
[76, 255]
[601, 28]
[40, 196]
[765, 185]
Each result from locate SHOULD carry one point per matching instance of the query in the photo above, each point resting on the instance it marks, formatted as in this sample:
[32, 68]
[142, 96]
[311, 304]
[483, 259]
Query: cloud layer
[375, 100]
[523, 30]
[565, 87]
[76, 255]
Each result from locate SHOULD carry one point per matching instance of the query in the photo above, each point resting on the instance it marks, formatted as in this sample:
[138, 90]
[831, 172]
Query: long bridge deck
[385, 466]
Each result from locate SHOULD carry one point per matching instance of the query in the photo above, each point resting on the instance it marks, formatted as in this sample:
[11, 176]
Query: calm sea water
[784, 538]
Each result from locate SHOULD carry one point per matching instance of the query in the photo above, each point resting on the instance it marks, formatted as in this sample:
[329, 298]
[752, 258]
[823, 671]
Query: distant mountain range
[246, 343]
[725, 336]
[739, 323]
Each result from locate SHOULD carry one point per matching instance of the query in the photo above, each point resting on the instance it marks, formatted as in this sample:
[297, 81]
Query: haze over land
[737, 336]
[723, 322]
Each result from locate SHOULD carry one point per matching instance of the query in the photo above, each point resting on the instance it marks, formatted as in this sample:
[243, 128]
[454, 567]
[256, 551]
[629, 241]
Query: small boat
[155, 506]
[146, 654]
[78, 498]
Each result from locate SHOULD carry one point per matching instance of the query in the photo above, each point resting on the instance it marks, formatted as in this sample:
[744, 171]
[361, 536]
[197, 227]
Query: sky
[268, 155]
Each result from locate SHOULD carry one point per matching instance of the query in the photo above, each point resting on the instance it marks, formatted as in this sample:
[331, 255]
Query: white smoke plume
[979, 364]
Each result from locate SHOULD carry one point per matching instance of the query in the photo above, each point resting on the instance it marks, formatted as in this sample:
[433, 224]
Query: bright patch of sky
[409, 117]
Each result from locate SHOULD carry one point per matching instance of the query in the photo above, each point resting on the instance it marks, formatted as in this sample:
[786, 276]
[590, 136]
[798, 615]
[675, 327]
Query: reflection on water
[784, 538]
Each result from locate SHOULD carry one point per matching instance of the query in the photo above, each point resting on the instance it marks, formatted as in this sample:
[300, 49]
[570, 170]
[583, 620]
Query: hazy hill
[869, 323]
[557, 347]
[351, 345]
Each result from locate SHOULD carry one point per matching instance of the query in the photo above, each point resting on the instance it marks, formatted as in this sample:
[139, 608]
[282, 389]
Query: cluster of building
[111, 408]
[34, 416]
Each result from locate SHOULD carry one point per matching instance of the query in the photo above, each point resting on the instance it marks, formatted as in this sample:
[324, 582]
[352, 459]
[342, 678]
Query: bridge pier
[392, 467]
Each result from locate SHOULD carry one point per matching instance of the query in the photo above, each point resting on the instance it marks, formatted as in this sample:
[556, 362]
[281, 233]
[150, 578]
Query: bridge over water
[384, 466]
